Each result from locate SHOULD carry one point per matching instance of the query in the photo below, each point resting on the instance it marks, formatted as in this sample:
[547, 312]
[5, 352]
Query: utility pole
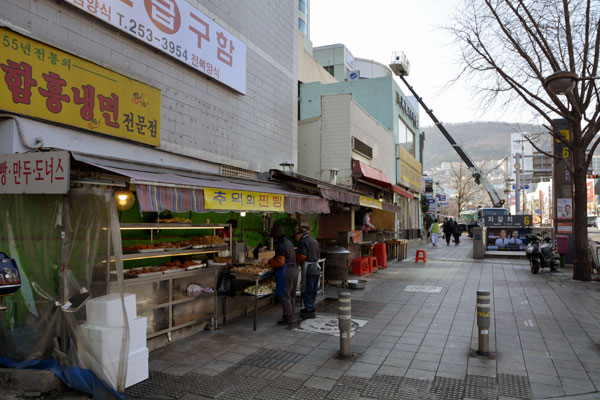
[518, 183]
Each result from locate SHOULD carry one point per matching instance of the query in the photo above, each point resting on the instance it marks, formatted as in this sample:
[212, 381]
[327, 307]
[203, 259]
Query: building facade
[223, 106]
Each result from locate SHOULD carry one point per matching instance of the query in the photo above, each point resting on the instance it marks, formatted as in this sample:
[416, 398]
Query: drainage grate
[447, 388]
[353, 381]
[308, 393]
[514, 386]
[340, 392]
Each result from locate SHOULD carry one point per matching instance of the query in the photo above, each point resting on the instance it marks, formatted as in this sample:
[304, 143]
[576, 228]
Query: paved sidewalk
[545, 334]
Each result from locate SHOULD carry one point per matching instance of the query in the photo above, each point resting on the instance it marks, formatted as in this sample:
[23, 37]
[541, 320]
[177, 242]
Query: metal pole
[483, 322]
[345, 324]
[518, 184]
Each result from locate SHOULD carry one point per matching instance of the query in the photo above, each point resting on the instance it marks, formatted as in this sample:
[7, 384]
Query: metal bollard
[483, 322]
[345, 324]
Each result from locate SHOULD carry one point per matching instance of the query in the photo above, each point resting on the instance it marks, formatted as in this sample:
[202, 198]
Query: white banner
[41, 172]
[178, 29]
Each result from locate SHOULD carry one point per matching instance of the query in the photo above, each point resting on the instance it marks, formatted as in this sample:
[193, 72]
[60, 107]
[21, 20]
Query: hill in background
[481, 140]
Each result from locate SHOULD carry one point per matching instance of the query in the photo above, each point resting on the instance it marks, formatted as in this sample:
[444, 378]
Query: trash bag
[226, 284]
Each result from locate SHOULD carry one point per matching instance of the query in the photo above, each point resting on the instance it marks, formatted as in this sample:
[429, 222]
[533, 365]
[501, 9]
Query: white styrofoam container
[107, 310]
[105, 341]
[137, 368]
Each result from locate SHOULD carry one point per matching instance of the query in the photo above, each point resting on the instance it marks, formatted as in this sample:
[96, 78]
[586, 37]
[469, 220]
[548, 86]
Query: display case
[162, 296]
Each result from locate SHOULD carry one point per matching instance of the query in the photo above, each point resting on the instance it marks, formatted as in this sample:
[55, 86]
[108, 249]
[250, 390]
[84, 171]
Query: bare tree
[510, 46]
[463, 184]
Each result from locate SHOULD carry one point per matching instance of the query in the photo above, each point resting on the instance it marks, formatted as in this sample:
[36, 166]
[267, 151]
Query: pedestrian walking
[456, 233]
[286, 273]
[448, 229]
[307, 256]
[435, 231]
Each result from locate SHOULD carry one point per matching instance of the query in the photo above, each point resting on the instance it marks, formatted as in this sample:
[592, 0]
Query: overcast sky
[374, 29]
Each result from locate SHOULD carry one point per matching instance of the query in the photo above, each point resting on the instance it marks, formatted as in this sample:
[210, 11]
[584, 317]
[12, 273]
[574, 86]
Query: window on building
[302, 26]
[406, 137]
[302, 6]
[329, 69]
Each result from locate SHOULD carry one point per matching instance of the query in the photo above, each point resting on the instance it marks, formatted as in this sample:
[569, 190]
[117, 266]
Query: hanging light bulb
[242, 213]
[124, 199]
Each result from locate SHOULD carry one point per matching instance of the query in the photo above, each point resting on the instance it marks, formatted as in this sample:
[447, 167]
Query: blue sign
[430, 201]
[442, 197]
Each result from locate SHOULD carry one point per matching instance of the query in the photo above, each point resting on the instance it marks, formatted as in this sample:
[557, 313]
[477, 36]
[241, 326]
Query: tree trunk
[582, 270]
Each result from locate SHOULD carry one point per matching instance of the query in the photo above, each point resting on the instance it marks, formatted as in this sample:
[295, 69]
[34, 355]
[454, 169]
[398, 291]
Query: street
[418, 341]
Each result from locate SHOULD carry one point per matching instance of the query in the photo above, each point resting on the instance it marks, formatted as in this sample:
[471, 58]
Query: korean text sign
[46, 83]
[514, 221]
[41, 172]
[179, 30]
[369, 202]
[224, 199]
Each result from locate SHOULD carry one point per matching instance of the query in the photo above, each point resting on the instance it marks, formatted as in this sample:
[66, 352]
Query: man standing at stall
[286, 273]
[307, 256]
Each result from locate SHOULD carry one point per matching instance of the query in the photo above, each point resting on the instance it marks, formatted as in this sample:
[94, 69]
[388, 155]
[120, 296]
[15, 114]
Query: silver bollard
[483, 322]
[345, 324]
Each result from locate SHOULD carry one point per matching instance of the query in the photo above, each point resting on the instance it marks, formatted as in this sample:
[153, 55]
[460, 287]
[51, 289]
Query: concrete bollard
[483, 322]
[345, 324]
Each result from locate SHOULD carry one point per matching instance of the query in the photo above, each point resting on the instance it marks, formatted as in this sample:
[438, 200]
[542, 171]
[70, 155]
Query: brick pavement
[545, 334]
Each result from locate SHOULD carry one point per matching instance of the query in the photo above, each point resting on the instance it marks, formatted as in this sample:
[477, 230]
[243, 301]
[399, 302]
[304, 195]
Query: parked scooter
[541, 255]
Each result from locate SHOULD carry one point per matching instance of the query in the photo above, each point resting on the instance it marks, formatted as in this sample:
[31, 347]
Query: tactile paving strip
[514, 386]
[380, 390]
[287, 382]
[158, 385]
[478, 380]
[447, 388]
[274, 393]
[480, 392]
[353, 381]
[340, 392]
[388, 379]
[413, 389]
[308, 393]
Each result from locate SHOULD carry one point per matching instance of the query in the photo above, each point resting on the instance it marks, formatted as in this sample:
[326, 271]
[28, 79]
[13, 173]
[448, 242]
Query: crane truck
[401, 66]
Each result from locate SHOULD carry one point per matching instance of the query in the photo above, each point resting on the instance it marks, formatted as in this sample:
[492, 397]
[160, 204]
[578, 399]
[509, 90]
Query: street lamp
[563, 82]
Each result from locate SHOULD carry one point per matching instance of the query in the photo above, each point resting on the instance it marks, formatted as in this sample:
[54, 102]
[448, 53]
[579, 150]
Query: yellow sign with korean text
[43, 82]
[410, 171]
[224, 199]
[369, 202]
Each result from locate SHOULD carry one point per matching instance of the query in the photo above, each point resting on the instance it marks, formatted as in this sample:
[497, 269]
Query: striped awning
[153, 198]
[340, 195]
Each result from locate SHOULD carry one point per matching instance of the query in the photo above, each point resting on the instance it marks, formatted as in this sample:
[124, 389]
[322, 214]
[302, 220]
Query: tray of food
[264, 289]
[252, 270]
[175, 220]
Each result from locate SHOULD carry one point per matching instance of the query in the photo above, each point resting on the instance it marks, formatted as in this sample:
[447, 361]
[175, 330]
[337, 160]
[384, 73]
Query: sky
[374, 29]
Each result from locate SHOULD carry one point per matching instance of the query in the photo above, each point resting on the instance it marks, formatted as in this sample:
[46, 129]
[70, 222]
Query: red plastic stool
[421, 255]
[360, 266]
[373, 265]
[381, 254]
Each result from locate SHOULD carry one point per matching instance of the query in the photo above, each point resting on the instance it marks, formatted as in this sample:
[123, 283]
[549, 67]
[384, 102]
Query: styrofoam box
[105, 341]
[107, 310]
[137, 368]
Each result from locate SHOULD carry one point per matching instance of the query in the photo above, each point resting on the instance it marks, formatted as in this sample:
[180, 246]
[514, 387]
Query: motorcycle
[541, 255]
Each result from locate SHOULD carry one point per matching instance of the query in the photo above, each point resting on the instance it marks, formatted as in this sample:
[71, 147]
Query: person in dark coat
[286, 273]
[448, 229]
[307, 256]
[456, 232]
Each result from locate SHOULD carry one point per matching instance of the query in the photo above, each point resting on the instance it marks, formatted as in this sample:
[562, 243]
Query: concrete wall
[200, 117]
[309, 148]
[309, 70]
[342, 118]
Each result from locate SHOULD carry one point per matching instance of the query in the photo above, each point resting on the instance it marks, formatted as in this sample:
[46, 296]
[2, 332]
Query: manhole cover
[328, 325]
[423, 289]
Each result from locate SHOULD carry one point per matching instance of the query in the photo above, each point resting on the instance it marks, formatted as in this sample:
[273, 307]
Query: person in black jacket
[286, 273]
[448, 229]
[307, 256]
[456, 232]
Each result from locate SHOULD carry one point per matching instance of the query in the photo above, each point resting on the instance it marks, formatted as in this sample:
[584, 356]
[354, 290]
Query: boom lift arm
[480, 177]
